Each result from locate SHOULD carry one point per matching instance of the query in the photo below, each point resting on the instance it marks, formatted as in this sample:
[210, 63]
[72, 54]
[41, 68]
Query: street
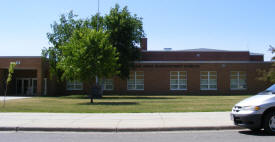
[188, 136]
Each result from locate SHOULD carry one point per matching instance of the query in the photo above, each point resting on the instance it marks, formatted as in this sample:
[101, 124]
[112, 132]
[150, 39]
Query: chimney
[143, 44]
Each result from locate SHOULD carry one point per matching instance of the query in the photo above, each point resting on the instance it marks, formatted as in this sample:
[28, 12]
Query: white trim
[204, 62]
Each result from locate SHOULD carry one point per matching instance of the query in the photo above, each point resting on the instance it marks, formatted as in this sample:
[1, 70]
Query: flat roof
[202, 50]
[203, 62]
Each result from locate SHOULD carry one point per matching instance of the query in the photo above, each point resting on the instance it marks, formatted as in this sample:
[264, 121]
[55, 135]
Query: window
[74, 85]
[208, 80]
[178, 80]
[238, 80]
[136, 81]
[108, 84]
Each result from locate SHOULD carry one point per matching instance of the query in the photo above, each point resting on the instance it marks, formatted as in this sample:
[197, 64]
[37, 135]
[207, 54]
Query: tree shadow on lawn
[74, 97]
[110, 103]
[165, 96]
[152, 97]
[115, 97]
[135, 97]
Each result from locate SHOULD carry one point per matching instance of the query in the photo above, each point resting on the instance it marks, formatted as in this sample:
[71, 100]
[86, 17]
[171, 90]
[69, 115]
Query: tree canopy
[88, 54]
[125, 33]
[122, 31]
[61, 32]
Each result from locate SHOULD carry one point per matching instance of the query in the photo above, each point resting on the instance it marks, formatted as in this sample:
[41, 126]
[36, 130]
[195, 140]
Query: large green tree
[125, 32]
[86, 55]
[61, 32]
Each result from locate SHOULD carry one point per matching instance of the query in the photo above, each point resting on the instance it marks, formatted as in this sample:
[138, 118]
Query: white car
[256, 112]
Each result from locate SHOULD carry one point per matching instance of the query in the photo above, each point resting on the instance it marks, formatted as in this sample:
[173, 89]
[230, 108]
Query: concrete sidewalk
[12, 97]
[115, 121]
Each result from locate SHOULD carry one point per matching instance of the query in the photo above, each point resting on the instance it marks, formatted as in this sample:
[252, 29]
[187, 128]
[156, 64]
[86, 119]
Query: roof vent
[167, 49]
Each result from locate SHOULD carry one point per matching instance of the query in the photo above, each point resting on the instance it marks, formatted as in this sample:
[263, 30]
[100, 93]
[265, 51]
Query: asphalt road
[188, 136]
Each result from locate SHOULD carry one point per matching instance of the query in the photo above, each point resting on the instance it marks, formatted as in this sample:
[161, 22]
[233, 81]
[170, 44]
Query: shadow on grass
[166, 96]
[75, 97]
[135, 97]
[110, 103]
[130, 96]
[113, 97]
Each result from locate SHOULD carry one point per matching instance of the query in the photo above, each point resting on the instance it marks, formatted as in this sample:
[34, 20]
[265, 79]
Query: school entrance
[26, 86]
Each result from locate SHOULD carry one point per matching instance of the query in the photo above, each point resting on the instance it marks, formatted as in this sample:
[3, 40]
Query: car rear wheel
[269, 123]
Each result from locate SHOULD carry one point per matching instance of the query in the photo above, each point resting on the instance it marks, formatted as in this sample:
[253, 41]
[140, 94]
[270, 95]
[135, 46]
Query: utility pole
[96, 78]
[97, 28]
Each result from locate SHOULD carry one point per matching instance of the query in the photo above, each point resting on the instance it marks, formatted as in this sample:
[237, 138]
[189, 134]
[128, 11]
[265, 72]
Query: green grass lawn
[123, 104]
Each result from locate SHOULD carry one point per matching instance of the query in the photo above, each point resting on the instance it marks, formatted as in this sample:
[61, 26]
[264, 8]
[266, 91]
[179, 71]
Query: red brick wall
[157, 76]
[27, 63]
[256, 57]
[143, 43]
[157, 79]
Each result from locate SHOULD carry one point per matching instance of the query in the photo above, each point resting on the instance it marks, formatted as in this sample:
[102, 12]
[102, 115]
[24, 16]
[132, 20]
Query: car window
[271, 88]
[268, 91]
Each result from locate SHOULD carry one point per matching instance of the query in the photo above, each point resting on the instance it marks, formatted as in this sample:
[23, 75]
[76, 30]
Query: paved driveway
[12, 97]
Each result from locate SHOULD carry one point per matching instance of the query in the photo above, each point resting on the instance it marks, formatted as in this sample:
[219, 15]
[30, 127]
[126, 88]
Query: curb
[119, 129]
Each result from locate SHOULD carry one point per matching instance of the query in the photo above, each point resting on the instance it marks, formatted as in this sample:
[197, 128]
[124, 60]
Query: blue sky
[177, 24]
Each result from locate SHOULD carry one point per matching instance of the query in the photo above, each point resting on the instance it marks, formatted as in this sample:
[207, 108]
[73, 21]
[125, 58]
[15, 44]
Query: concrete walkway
[12, 97]
[115, 121]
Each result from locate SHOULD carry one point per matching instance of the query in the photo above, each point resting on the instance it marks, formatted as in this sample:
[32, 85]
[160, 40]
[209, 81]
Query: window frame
[208, 80]
[238, 80]
[74, 84]
[135, 81]
[105, 84]
[178, 78]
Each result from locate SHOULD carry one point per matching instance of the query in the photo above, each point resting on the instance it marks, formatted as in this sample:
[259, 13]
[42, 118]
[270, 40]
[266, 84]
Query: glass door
[34, 86]
[19, 87]
[26, 86]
